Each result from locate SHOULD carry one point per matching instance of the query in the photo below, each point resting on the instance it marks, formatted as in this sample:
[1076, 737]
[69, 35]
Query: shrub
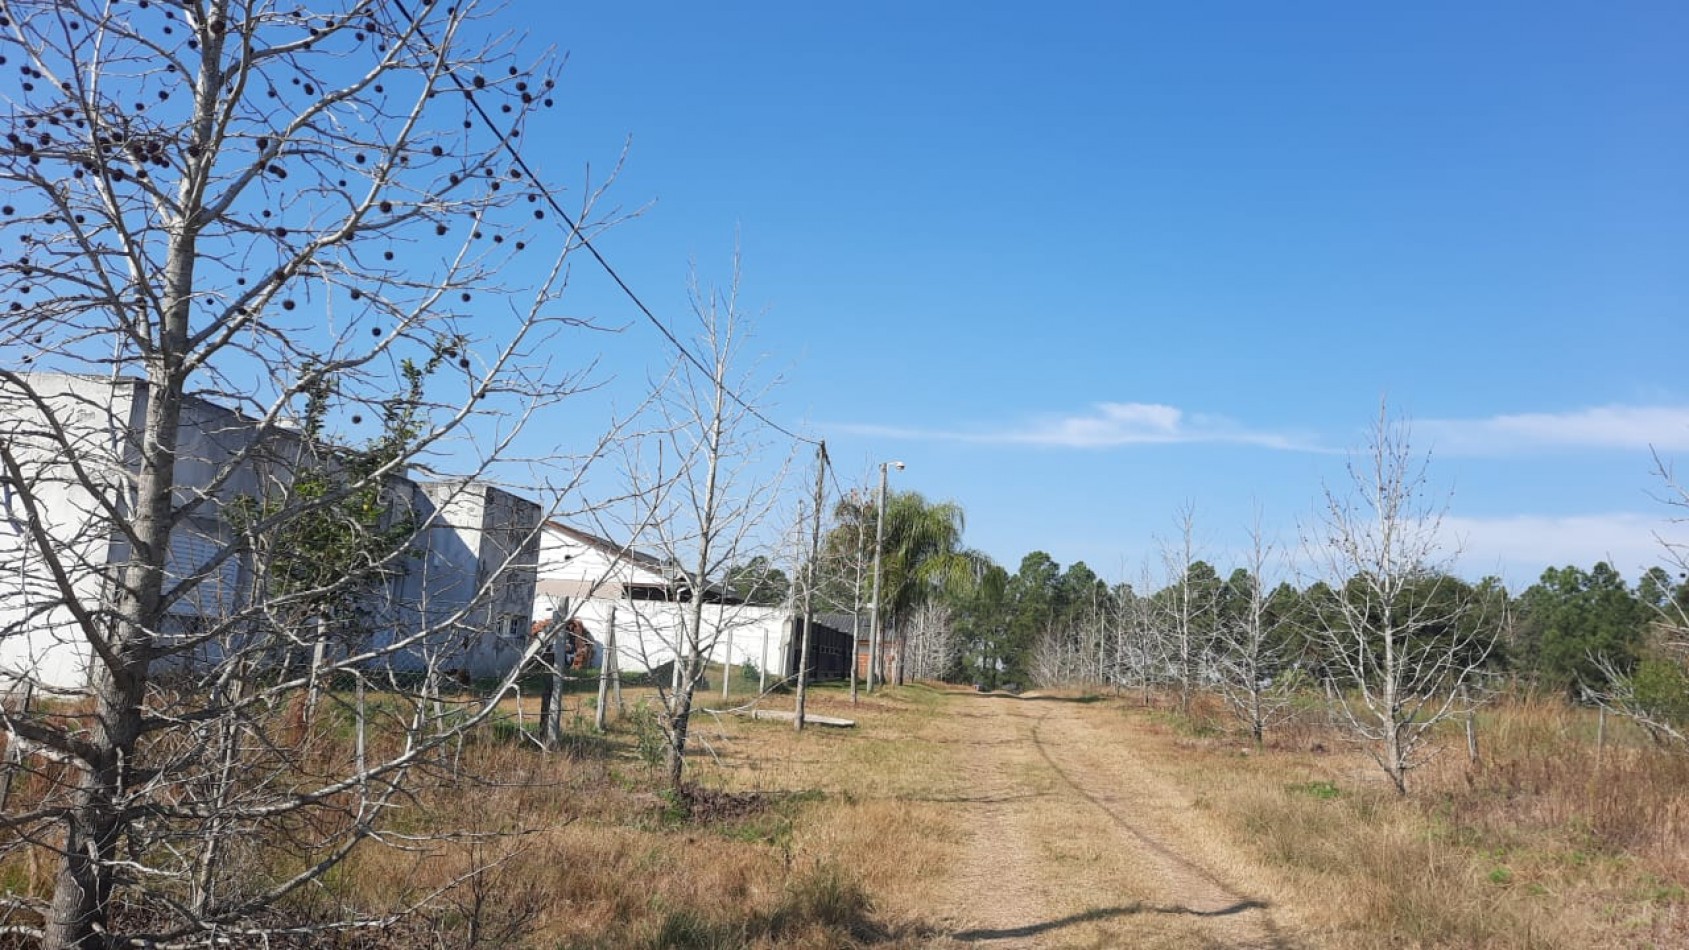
[1662, 690]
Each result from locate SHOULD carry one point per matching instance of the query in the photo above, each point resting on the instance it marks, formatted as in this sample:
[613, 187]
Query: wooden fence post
[553, 724]
[605, 672]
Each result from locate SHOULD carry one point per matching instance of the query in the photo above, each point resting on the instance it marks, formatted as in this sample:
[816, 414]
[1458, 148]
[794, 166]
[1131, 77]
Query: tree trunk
[1257, 715]
[1395, 759]
[680, 717]
[313, 689]
[95, 822]
[82, 887]
[856, 615]
[1471, 726]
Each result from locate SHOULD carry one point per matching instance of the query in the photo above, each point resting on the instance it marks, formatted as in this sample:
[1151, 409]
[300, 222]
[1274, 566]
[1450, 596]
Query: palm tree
[921, 558]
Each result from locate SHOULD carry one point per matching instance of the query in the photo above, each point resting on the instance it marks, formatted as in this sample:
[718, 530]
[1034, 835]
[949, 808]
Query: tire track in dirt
[1205, 894]
[1069, 842]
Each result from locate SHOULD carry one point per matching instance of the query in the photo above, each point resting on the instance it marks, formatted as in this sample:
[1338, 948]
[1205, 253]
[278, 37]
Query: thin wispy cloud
[1115, 424]
[1665, 428]
[1105, 425]
[1519, 547]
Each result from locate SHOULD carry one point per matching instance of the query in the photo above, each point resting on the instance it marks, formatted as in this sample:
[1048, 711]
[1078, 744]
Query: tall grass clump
[1565, 832]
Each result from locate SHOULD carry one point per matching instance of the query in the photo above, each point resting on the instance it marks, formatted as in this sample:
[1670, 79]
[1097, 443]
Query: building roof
[671, 577]
[613, 550]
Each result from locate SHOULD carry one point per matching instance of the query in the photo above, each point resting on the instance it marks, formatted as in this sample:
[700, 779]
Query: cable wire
[577, 232]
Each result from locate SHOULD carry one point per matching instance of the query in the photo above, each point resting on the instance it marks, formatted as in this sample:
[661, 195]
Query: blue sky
[1080, 264]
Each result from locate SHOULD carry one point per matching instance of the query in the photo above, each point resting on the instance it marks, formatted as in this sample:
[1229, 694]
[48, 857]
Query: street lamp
[879, 539]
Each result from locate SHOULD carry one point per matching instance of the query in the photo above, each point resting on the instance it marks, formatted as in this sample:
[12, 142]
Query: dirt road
[1074, 841]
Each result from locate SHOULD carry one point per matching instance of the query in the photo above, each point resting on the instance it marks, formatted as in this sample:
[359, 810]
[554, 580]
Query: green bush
[649, 742]
[1662, 690]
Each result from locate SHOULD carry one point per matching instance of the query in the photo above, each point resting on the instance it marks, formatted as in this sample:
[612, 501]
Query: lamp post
[879, 539]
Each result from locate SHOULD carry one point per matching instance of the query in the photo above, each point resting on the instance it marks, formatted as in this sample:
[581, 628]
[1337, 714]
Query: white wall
[464, 601]
[649, 633]
[571, 567]
[39, 637]
[458, 572]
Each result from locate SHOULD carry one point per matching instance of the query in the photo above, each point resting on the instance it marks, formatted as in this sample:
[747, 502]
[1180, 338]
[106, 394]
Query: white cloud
[1665, 428]
[1106, 425]
[1519, 547]
[1112, 424]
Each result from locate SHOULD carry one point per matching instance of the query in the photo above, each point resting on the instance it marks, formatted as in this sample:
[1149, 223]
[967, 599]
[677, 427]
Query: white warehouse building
[597, 581]
[461, 595]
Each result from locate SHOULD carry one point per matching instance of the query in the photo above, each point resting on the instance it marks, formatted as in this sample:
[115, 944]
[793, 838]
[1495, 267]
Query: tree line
[1369, 614]
[1569, 632]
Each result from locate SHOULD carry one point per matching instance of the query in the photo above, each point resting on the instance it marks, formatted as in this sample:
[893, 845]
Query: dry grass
[1543, 843]
[816, 852]
[845, 838]
[582, 849]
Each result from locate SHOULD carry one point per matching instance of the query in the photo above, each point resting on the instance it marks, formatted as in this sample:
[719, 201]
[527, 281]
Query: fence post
[604, 673]
[14, 753]
[553, 725]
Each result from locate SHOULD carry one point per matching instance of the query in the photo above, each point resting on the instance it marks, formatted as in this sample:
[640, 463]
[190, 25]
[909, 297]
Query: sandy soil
[1073, 841]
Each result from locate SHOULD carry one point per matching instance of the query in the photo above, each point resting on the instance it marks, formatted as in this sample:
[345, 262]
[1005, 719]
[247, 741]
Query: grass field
[848, 837]
[1545, 841]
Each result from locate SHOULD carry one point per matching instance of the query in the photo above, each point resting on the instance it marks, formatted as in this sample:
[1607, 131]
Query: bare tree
[1398, 630]
[1073, 648]
[1673, 606]
[218, 215]
[846, 567]
[1187, 608]
[931, 640]
[1067, 652]
[1252, 653]
[1655, 694]
[707, 491]
[1098, 645]
[855, 558]
[1122, 609]
[1053, 659]
[1140, 649]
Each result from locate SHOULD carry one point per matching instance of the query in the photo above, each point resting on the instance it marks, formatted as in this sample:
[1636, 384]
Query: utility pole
[809, 584]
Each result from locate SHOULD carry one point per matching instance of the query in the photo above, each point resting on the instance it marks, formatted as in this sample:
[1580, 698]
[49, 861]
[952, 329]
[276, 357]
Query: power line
[575, 231]
[834, 472]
